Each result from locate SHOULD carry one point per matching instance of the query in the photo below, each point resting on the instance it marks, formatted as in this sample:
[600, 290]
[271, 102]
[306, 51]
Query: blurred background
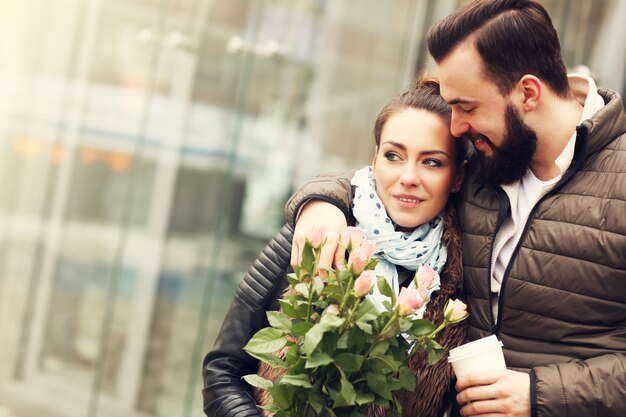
[147, 148]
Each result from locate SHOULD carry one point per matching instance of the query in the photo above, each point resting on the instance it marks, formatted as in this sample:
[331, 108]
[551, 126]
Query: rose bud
[358, 260]
[351, 237]
[456, 310]
[369, 248]
[409, 300]
[425, 276]
[364, 283]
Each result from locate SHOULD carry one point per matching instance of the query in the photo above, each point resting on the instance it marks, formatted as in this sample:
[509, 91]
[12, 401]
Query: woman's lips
[407, 201]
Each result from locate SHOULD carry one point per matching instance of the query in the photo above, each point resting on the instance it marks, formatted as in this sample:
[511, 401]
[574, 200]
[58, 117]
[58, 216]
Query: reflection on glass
[78, 308]
[146, 151]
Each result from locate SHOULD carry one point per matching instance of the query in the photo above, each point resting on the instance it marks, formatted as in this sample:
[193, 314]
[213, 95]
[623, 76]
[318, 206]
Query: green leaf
[279, 320]
[308, 258]
[333, 292]
[314, 336]
[407, 379]
[421, 328]
[318, 285]
[380, 348]
[266, 340]
[327, 412]
[292, 278]
[331, 321]
[302, 289]
[385, 289]
[315, 401]
[366, 327]
[435, 352]
[366, 311]
[294, 308]
[342, 342]
[318, 359]
[363, 398]
[299, 380]
[300, 328]
[405, 324]
[349, 362]
[270, 359]
[257, 381]
[346, 395]
[281, 394]
[387, 360]
[293, 353]
[378, 385]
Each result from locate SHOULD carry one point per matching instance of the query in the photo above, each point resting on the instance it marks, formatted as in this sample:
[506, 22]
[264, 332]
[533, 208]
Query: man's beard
[511, 159]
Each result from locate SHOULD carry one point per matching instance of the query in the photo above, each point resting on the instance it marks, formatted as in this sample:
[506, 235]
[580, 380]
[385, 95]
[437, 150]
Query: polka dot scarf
[423, 245]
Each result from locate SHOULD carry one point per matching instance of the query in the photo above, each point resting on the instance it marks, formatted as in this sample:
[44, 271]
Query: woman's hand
[318, 212]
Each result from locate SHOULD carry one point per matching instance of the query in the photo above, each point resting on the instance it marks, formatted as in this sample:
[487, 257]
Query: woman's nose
[410, 176]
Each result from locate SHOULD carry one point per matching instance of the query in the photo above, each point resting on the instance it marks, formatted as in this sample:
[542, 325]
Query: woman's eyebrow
[428, 152]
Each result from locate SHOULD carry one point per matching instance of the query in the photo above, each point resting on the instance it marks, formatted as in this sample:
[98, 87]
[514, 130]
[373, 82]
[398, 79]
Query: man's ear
[530, 89]
[460, 176]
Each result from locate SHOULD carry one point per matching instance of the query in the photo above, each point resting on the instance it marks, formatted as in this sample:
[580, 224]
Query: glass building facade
[147, 148]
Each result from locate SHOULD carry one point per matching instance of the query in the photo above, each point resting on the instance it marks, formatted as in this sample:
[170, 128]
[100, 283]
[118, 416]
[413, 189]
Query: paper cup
[479, 355]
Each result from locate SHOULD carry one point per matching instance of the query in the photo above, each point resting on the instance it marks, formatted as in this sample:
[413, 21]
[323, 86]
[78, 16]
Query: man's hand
[318, 212]
[494, 393]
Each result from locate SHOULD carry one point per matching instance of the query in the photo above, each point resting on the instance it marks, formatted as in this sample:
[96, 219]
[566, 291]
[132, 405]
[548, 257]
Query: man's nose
[458, 125]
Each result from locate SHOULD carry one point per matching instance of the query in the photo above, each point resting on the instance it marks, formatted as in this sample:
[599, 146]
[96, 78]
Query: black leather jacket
[225, 394]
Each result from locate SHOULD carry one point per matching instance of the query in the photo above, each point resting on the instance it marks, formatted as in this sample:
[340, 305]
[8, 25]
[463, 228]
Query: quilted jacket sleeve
[333, 188]
[595, 387]
[225, 394]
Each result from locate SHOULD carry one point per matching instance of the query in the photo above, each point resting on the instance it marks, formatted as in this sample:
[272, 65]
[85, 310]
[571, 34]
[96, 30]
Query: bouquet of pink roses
[338, 352]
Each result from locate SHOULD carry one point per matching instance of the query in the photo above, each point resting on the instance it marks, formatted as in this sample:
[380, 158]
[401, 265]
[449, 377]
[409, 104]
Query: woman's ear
[460, 176]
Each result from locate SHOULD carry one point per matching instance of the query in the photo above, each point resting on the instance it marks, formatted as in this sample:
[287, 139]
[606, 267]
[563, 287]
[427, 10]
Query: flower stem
[311, 279]
[346, 294]
[437, 330]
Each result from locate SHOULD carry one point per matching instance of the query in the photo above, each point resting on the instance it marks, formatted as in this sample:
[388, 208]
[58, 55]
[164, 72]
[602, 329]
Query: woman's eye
[432, 162]
[392, 156]
[468, 110]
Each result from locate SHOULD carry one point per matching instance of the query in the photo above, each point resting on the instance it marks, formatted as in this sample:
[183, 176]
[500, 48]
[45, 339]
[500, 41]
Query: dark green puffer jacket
[562, 307]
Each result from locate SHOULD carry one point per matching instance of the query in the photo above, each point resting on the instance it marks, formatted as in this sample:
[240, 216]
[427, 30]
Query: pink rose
[456, 310]
[423, 292]
[409, 300]
[364, 283]
[358, 260]
[425, 276]
[369, 248]
[351, 234]
[316, 236]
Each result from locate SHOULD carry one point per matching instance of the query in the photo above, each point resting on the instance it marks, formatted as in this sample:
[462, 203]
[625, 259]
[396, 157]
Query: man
[543, 214]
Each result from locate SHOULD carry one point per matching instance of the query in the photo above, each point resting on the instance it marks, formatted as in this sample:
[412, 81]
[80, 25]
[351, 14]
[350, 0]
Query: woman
[402, 203]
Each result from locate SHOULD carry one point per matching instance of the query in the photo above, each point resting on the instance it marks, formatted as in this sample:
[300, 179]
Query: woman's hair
[424, 95]
[512, 37]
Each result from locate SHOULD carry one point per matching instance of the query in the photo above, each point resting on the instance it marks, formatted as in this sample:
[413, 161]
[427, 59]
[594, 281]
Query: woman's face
[415, 167]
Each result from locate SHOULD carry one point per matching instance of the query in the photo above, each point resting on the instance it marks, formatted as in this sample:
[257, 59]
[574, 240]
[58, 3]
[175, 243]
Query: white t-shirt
[525, 193]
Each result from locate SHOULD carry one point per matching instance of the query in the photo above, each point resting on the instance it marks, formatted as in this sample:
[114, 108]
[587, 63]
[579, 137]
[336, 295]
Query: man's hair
[513, 38]
[424, 95]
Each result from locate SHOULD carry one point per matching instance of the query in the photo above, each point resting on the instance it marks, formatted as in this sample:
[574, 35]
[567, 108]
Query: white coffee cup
[478, 355]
